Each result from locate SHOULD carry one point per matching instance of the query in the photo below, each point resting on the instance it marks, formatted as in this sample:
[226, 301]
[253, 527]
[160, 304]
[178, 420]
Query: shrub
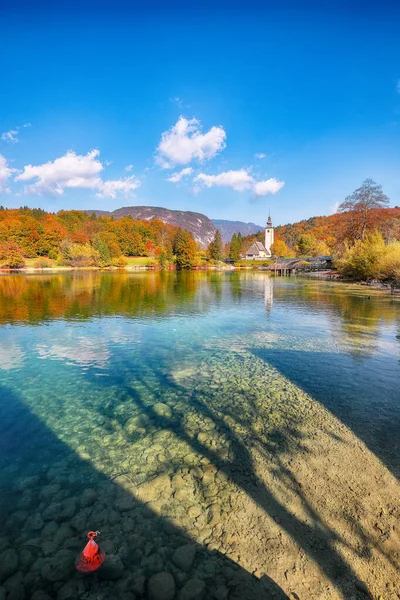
[361, 261]
[14, 260]
[389, 263]
[78, 255]
[44, 263]
[120, 262]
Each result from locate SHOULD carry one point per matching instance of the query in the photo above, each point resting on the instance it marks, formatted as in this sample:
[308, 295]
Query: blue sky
[100, 105]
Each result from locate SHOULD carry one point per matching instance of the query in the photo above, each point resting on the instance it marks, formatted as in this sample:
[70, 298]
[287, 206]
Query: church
[258, 250]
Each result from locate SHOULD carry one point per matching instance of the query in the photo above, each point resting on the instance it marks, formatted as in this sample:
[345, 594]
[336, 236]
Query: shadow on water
[315, 538]
[50, 498]
[317, 374]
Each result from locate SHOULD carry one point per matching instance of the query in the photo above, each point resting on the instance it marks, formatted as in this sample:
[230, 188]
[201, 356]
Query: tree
[234, 248]
[359, 207]
[306, 244]
[389, 263]
[215, 249]
[184, 248]
[11, 255]
[361, 260]
[100, 245]
[279, 248]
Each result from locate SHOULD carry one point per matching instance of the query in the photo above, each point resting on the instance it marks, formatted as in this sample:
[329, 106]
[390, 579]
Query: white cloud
[74, 171]
[269, 186]
[11, 136]
[260, 155]
[175, 177]
[69, 171]
[5, 173]
[112, 188]
[184, 142]
[129, 168]
[240, 180]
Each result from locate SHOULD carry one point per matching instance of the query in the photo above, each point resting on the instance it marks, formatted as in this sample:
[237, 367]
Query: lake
[230, 434]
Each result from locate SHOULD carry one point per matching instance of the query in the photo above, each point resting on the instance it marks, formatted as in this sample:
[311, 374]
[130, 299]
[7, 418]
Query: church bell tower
[269, 235]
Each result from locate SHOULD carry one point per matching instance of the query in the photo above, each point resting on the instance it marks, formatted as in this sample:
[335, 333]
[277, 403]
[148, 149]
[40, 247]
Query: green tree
[235, 247]
[306, 245]
[215, 249]
[101, 246]
[184, 248]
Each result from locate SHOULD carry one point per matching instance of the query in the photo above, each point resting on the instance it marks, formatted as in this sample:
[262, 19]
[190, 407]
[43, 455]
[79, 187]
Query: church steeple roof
[269, 222]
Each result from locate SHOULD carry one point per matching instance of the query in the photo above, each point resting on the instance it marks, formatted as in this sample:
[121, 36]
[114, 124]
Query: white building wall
[269, 239]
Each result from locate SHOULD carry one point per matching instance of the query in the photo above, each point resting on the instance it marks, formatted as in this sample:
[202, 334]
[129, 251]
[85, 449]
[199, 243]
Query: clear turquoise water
[109, 381]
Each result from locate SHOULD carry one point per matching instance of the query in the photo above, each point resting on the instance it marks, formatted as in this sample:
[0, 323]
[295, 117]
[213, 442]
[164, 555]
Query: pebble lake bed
[230, 434]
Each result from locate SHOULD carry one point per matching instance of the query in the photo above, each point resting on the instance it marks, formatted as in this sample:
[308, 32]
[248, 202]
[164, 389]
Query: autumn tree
[279, 248]
[359, 209]
[361, 261]
[215, 249]
[184, 248]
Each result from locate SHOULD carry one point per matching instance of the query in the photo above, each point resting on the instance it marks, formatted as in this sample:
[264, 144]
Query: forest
[363, 236]
[76, 238]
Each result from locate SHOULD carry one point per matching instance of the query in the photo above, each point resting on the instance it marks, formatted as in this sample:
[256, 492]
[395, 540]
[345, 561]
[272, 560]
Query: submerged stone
[194, 589]
[184, 556]
[161, 586]
[8, 563]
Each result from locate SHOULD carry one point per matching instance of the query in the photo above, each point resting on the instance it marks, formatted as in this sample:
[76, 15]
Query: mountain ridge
[202, 227]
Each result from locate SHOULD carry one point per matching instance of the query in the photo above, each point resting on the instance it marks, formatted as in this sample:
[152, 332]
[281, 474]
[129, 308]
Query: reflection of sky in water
[11, 355]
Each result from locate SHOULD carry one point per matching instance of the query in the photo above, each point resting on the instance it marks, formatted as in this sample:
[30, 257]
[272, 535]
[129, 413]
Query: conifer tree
[215, 248]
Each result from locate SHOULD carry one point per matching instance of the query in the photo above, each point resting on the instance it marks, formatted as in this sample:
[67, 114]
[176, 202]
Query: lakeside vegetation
[363, 237]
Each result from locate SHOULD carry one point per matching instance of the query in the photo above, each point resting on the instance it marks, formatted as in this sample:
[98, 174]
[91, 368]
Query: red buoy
[90, 558]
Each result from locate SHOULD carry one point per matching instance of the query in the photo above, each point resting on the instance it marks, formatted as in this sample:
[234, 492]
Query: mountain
[228, 228]
[200, 225]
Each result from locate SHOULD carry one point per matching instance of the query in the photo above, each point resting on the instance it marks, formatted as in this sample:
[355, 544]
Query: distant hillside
[228, 228]
[200, 225]
[331, 230]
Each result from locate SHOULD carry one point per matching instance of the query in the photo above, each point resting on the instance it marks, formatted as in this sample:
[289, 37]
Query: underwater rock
[40, 595]
[17, 592]
[139, 585]
[184, 556]
[161, 586]
[25, 558]
[162, 410]
[69, 591]
[26, 482]
[8, 563]
[221, 593]
[152, 563]
[60, 567]
[112, 568]
[194, 589]
[125, 503]
[88, 497]
[138, 423]
[34, 522]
